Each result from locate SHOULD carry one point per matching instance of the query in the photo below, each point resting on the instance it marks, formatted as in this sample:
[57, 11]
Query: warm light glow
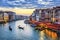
[42, 35]
[51, 34]
[53, 19]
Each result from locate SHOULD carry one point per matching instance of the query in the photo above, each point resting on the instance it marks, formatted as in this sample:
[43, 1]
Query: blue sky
[29, 3]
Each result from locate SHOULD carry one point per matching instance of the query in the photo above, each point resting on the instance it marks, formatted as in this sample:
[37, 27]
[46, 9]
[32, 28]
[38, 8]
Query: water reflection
[48, 35]
[51, 35]
[42, 35]
[27, 34]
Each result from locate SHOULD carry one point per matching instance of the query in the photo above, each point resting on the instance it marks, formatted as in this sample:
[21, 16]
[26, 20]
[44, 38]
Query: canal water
[27, 34]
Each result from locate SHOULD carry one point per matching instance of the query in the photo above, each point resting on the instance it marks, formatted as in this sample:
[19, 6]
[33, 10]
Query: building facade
[11, 15]
[1, 16]
[6, 16]
[47, 14]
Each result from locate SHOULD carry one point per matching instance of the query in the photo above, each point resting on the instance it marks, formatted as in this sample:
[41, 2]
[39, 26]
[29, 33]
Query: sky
[18, 11]
[26, 6]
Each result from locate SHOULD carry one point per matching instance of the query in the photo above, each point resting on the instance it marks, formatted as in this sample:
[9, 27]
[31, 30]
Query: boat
[21, 27]
[10, 28]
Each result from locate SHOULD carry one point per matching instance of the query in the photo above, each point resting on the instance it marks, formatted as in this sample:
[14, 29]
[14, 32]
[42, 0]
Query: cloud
[17, 0]
[49, 0]
[40, 0]
[6, 9]
[29, 6]
[13, 3]
[22, 0]
[29, 3]
[20, 4]
[44, 2]
[16, 3]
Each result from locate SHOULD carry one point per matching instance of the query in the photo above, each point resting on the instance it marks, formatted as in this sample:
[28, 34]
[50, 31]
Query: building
[12, 15]
[6, 16]
[48, 18]
[47, 14]
[1, 16]
[56, 14]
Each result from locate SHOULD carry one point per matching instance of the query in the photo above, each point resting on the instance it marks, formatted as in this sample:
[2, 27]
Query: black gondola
[21, 27]
[10, 28]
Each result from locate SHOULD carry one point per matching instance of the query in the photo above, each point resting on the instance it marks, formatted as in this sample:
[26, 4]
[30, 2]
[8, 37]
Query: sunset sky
[19, 11]
[23, 11]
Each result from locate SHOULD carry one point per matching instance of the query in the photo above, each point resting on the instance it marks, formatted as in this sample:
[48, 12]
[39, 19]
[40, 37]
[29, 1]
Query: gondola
[21, 27]
[10, 28]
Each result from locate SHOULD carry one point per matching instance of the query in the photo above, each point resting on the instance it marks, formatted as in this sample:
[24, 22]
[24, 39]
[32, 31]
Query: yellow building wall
[6, 17]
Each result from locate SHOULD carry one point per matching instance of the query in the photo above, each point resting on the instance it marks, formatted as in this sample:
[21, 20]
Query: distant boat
[33, 25]
[26, 21]
[10, 28]
[21, 27]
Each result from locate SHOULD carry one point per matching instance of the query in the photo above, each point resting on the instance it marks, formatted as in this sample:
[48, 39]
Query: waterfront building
[11, 15]
[47, 14]
[35, 15]
[1, 16]
[6, 16]
[56, 11]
